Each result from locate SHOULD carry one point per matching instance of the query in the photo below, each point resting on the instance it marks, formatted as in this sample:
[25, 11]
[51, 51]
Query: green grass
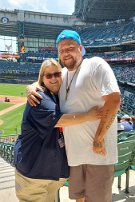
[4, 105]
[13, 89]
[12, 121]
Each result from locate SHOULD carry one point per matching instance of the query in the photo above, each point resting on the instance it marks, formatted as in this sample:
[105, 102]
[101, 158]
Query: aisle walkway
[7, 191]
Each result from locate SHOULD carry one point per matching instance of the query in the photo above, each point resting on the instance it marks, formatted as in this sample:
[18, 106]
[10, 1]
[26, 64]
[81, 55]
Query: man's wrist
[97, 144]
[98, 138]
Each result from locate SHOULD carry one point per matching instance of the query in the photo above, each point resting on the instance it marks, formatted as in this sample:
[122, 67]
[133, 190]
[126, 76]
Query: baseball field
[12, 103]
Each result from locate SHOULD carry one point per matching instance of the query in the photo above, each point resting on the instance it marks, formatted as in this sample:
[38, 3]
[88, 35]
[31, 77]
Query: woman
[39, 154]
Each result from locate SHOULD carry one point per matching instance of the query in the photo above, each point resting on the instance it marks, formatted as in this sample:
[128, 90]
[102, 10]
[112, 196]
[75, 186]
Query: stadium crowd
[112, 33]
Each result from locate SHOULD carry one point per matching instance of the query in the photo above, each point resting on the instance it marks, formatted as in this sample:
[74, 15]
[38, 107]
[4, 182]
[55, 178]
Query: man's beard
[70, 65]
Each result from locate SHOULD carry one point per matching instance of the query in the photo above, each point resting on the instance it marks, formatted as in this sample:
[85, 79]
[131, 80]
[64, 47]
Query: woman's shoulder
[40, 92]
[45, 97]
[44, 93]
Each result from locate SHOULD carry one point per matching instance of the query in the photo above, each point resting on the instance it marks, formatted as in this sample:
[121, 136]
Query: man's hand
[32, 94]
[99, 147]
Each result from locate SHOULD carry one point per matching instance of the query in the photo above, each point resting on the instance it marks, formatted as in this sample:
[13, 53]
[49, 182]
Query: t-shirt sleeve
[104, 78]
[44, 116]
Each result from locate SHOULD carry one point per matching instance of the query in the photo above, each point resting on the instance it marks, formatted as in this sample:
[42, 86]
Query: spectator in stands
[91, 147]
[133, 121]
[120, 127]
[127, 123]
[39, 153]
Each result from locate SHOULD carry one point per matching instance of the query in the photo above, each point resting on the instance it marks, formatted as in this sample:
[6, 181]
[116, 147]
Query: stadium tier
[110, 34]
[97, 11]
[107, 30]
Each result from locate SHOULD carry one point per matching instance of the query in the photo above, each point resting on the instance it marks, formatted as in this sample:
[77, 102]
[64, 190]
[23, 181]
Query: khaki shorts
[36, 190]
[94, 182]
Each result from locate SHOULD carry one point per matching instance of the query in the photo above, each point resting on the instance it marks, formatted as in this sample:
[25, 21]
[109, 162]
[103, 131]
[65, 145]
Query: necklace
[69, 85]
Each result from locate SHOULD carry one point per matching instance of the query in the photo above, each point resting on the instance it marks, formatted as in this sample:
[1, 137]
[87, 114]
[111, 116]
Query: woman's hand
[32, 95]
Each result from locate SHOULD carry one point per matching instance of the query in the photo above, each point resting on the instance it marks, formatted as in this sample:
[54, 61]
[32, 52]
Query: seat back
[121, 168]
[125, 147]
[125, 155]
[126, 136]
[122, 136]
[132, 137]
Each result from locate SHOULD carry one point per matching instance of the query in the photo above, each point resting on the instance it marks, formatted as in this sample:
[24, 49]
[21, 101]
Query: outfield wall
[17, 81]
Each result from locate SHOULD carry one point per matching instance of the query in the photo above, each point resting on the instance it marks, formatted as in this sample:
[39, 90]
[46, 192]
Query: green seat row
[126, 161]
[122, 136]
[7, 151]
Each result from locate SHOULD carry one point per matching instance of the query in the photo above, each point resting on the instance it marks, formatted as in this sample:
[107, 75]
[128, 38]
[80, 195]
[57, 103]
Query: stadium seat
[125, 155]
[132, 137]
[122, 136]
[126, 136]
[132, 166]
[1, 148]
[57, 199]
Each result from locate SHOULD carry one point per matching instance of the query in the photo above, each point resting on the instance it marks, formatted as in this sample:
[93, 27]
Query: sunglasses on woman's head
[50, 76]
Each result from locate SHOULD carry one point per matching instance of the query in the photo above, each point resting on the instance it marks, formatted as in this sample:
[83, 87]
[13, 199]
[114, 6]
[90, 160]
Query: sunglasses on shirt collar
[50, 76]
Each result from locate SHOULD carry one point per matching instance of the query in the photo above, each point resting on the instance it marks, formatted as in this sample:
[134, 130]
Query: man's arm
[32, 94]
[110, 109]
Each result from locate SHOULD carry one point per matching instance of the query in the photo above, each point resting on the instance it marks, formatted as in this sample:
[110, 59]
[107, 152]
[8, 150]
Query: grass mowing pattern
[12, 120]
[13, 89]
[5, 105]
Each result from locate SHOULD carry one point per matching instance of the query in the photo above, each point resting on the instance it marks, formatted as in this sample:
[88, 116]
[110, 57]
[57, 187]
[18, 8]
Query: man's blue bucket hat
[70, 34]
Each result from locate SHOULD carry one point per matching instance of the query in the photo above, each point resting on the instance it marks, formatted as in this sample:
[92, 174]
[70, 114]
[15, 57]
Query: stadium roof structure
[104, 10]
[32, 24]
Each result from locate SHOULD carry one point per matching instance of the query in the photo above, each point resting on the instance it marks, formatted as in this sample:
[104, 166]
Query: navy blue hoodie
[37, 153]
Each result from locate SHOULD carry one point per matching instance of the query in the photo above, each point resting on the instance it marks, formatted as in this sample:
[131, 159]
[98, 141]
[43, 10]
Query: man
[127, 123]
[91, 146]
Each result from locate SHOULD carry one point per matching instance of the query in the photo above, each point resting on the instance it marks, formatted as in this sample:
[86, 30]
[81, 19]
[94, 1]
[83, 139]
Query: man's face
[69, 53]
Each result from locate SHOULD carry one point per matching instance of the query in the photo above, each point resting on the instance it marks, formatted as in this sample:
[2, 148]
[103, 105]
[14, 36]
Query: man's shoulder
[94, 63]
[95, 59]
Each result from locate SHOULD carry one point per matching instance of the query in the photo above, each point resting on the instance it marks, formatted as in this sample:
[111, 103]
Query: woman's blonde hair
[44, 65]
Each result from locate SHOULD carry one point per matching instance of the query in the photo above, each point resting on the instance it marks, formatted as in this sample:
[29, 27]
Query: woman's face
[52, 78]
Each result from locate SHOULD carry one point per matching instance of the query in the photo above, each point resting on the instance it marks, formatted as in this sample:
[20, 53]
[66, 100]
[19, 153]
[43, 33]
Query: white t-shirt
[93, 79]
